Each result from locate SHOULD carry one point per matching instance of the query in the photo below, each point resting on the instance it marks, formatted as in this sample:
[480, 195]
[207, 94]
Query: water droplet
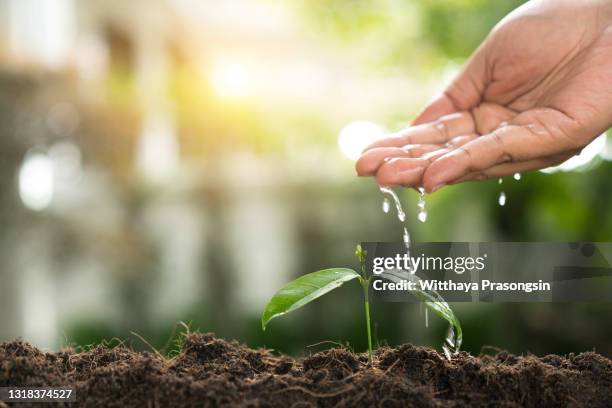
[452, 343]
[502, 199]
[500, 180]
[517, 176]
[406, 239]
[385, 205]
[421, 202]
[398, 205]
[422, 216]
[453, 339]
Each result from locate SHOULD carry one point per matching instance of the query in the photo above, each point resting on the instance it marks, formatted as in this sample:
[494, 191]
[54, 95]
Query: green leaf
[438, 305]
[304, 290]
[435, 302]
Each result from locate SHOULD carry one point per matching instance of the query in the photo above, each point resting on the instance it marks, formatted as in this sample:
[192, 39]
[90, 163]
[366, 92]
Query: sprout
[311, 286]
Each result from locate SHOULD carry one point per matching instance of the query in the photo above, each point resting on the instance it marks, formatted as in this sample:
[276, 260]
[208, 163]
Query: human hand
[533, 94]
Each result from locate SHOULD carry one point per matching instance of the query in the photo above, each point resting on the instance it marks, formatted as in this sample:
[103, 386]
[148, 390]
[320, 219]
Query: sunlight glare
[230, 78]
[36, 181]
[356, 136]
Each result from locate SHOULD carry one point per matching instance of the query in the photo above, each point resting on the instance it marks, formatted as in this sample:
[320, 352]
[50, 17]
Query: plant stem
[366, 288]
[365, 284]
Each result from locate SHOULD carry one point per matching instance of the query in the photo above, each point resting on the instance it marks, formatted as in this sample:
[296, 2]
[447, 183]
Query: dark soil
[214, 372]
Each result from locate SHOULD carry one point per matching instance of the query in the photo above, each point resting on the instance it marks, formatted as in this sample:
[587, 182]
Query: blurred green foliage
[456, 27]
[416, 36]
[408, 32]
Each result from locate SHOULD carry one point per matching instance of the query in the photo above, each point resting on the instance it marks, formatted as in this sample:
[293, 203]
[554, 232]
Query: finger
[440, 106]
[460, 140]
[435, 132]
[464, 93]
[431, 156]
[370, 161]
[486, 117]
[418, 150]
[401, 172]
[406, 171]
[536, 138]
[507, 169]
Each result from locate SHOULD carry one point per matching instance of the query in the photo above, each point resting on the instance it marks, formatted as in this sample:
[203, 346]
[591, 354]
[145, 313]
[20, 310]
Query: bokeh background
[168, 161]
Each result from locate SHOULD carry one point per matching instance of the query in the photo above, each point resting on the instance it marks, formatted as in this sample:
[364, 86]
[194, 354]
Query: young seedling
[311, 286]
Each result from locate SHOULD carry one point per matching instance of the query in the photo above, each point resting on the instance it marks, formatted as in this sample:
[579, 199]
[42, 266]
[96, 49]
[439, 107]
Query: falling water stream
[422, 216]
[451, 343]
[401, 215]
[386, 205]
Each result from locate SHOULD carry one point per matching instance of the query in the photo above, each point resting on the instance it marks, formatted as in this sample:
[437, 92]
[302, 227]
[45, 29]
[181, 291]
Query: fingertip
[364, 166]
[442, 171]
[408, 178]
[385, 176]
[370, 161]
[359, 167]
[431, 183]
[399, 172]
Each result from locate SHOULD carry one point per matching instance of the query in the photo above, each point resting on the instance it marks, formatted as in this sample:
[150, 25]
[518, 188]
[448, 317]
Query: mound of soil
[214, 372]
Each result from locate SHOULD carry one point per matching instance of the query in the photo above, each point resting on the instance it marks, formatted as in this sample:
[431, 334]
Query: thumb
[464, 93]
